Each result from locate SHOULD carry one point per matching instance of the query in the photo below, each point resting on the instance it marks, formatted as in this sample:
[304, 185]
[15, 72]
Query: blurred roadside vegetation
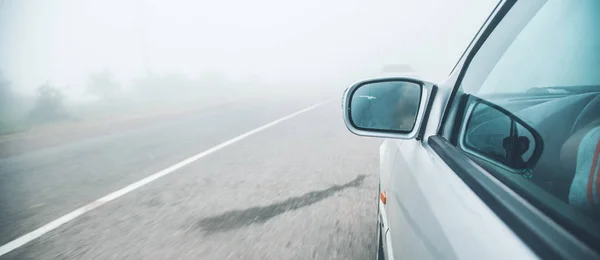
[105, 97]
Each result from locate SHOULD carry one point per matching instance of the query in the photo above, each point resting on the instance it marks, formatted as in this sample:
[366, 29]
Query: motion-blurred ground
[303, 189]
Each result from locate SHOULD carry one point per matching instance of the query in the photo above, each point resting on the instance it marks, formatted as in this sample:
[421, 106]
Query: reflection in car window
[556, 49]
[500, 137]
[485, 131]
[548, 78]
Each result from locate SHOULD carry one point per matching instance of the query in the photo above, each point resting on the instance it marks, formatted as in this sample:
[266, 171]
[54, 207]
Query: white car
[501, 160]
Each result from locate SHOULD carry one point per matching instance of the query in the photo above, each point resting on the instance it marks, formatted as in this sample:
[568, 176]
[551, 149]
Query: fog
[89, 58]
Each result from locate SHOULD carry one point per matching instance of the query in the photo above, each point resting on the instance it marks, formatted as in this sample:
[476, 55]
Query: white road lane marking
[14, 244]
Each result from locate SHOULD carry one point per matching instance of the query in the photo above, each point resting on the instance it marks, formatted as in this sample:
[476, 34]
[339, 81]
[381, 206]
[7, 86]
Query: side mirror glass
[387, 107]
[497, 135]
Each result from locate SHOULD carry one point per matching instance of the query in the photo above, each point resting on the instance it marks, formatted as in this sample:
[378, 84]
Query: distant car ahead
[501, 160]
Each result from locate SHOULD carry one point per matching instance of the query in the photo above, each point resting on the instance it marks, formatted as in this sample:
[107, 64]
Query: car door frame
[540, 233]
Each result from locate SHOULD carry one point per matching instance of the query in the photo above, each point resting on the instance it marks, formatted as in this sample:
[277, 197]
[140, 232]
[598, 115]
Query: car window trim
[484, 25]
[545, 238]
[496, 18]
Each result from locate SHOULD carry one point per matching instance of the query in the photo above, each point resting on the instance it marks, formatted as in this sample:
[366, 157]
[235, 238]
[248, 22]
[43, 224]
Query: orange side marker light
[382, 197]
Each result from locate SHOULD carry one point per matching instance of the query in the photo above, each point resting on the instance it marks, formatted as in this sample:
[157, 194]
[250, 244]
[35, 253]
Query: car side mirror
[499, 137]
[387, 107]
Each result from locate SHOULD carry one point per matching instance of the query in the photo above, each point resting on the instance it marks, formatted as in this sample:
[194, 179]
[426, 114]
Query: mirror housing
[371, 107]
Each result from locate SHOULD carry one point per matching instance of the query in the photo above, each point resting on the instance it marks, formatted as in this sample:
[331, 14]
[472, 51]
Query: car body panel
[384, 228]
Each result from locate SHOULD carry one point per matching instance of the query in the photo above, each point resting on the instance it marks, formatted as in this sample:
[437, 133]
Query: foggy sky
[304, 42]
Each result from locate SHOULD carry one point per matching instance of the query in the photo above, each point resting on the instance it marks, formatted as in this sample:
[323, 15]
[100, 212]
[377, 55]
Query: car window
[556, 49]
[543, 89]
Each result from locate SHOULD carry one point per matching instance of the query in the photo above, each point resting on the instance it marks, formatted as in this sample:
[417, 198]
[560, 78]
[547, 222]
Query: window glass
[543, 121]
[558, 48]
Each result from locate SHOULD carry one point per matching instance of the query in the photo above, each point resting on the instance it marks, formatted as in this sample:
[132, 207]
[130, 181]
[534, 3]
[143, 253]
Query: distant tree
[6, 97]
[49, 105]
[5, 89]
[103, 85]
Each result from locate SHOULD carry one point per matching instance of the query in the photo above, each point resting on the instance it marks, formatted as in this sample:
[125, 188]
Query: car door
[445, 201]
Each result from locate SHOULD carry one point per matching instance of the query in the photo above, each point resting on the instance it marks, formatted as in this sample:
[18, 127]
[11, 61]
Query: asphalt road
[302, 189]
